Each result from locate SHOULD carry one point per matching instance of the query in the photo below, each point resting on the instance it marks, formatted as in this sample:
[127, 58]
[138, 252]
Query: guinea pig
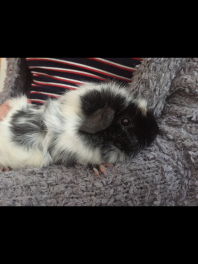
[97, 123]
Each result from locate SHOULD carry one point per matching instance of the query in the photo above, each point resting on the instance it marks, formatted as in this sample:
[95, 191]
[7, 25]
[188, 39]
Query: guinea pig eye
[125, 121]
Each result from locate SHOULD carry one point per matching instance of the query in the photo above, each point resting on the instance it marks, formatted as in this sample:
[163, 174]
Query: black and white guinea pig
[95, 124]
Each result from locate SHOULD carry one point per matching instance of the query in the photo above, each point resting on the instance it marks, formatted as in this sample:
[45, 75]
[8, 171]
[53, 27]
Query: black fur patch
[26, 127]
[93, 100]
[140, 133]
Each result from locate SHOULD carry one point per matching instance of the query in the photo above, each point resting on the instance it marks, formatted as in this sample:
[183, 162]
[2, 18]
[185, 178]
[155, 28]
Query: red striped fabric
[54, 76]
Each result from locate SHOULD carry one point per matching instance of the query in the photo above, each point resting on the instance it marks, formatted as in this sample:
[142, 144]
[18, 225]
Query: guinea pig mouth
[97, 121]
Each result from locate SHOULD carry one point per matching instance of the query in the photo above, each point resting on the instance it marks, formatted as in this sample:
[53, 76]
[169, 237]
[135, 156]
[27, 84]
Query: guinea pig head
[116, 121]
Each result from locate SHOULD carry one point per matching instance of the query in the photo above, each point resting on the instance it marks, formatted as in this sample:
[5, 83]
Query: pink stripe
[115, 65]
[37, 101]
[82, 66]
[137, 58]
[57, 78]
[55, 84]
[45, 94]
[70, 71]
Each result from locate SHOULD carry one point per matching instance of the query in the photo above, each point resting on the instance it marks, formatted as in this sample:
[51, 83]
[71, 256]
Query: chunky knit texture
[164, 174]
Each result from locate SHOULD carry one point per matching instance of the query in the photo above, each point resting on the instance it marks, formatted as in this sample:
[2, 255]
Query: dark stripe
[49, 89]
[66, 70]
[70, 73]
[49, 77]
[40, 97]
[97, 67]
[129, 62]
[101, 66]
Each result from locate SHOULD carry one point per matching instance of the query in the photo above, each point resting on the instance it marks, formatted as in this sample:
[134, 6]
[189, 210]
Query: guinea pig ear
[98, 121]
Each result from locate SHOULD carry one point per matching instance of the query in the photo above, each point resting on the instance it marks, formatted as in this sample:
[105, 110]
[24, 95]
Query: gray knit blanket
[164, 174]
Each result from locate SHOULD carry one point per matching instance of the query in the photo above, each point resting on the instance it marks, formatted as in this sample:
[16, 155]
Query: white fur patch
[142, 104]
[70, 105]
[12, 155]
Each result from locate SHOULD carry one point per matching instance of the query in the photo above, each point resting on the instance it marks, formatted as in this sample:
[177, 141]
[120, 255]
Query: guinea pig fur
[95, 124]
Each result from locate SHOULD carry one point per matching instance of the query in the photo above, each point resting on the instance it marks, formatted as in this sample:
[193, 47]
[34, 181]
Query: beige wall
[3, 67]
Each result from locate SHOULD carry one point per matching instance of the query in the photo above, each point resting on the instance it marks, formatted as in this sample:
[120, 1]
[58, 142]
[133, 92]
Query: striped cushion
[53, 76]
